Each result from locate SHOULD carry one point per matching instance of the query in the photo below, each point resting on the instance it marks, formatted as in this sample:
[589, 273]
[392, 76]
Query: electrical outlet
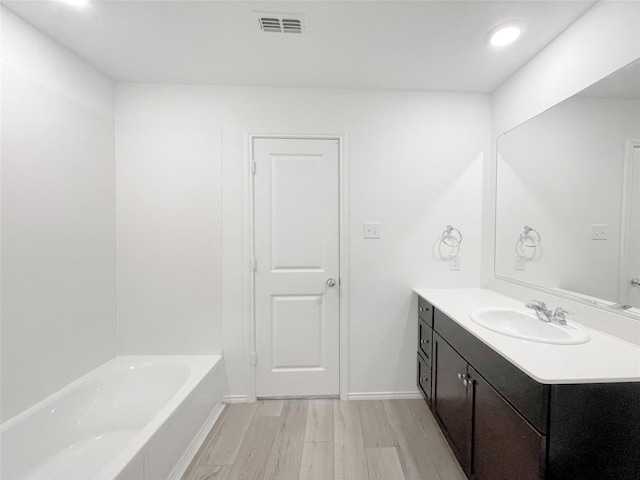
[371, 230]
[519, 263]
[599, 231]
[454, 262]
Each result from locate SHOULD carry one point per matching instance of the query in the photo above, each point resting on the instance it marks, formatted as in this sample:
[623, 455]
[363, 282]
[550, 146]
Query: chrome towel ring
[531, 234]
[451, 237]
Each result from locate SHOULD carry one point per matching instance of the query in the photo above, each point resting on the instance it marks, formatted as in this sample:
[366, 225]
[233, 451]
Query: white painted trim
[344, 249]
[237, 399]
[345, 278]
[189, 454]
[625, 216]
[384, 395]
[252, 274]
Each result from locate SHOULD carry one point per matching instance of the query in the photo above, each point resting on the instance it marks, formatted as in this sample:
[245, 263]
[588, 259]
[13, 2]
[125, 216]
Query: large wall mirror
[568, 196]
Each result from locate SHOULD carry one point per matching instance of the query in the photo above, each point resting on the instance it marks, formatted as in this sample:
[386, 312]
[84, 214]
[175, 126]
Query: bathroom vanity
[519, 409]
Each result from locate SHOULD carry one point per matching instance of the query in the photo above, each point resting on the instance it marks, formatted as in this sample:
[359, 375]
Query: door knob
[635, 282]
[331, 282]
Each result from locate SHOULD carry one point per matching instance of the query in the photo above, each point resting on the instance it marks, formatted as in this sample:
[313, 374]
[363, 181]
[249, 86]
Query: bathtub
[135, 417]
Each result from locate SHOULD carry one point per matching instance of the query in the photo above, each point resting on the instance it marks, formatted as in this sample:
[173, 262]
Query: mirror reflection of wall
[563, 172]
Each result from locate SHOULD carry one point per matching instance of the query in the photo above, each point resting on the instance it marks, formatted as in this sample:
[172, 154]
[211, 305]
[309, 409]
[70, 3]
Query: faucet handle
[559, 315]
[538, 303]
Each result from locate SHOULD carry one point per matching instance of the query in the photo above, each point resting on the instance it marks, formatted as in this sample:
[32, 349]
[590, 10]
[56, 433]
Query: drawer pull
[464, 378]
[424, 341]
[423, 379]
[423, 309]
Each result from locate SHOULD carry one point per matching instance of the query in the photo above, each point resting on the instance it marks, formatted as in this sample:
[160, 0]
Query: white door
[297, 291]
[630, 266]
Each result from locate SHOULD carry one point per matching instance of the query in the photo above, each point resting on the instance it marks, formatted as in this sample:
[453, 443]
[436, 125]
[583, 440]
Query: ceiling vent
[281, 22]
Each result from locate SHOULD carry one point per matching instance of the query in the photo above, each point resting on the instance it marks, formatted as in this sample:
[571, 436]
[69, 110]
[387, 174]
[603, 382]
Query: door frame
[625, 218]
[343, 253]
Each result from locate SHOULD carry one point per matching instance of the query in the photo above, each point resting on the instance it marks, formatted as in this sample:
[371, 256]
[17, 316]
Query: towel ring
[527, 233]
[449, 234]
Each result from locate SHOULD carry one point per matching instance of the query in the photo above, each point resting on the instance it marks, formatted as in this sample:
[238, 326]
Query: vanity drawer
[528, 397]
[424, 378]
[425, 339]
[425, 311]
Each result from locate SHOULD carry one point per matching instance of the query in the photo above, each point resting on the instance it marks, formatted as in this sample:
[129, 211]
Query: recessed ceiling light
[505, 34]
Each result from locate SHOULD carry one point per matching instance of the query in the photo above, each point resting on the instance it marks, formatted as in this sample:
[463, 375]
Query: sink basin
[523, 323]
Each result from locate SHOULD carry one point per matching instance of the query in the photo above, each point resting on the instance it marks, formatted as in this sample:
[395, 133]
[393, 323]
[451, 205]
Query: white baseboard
[235, 399]
[350, 396]
[190, 452]
[384, 395]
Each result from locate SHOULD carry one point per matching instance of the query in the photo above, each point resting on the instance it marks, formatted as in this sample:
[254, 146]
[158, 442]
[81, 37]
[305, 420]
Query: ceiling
[401, 45]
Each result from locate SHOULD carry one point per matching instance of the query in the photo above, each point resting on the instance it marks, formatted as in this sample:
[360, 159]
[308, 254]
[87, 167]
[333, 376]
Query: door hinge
[253, 167]
[254, 264]
[254, 359]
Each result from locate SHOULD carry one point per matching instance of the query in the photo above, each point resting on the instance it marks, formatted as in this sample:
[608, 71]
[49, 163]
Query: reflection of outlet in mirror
[371, 229]
[519, 263]
[598, 231]
[454, 262]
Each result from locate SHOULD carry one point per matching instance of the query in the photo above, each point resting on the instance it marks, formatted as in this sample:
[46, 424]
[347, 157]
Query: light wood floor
[324, 440]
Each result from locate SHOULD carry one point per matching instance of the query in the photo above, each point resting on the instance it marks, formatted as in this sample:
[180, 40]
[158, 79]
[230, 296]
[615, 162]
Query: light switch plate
[371, 230]
[519, 263]
[454, 262]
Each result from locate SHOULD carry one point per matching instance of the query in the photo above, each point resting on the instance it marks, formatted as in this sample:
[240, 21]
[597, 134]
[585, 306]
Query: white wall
[415, 165]
[58, 217]
[169, 177]
[603, 40]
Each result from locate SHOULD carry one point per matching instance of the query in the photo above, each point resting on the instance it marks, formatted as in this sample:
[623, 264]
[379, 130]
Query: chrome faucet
[541, 310]
[546, 315]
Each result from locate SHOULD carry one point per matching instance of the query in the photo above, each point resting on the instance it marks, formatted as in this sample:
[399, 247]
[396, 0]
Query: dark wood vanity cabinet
[505, 445]
[452, 401]
[425, 340]
[503, 425]
[489, 438]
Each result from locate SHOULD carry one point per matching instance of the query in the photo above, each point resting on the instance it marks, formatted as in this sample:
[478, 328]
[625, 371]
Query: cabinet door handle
[423, 309]
[424, 341]
[423, 379]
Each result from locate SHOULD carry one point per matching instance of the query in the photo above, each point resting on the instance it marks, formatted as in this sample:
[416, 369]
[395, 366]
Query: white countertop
[603, 359]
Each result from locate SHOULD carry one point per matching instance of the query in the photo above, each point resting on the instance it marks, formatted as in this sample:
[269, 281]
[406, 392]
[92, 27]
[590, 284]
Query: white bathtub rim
[137, 444]
[199, 366]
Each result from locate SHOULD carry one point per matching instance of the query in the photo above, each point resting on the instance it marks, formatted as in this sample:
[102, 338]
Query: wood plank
[317, 461]
[320, 421]
[227, 435]
[384, 464]
[350, 458]
[269, 408]
[208, 472]
[443, 458]
[286, 451]
[375, 427]
[413, 448]
[254, 452]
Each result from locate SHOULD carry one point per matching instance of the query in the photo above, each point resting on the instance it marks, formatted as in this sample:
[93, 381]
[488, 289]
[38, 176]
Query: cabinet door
[505, 445]
[452, 402]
